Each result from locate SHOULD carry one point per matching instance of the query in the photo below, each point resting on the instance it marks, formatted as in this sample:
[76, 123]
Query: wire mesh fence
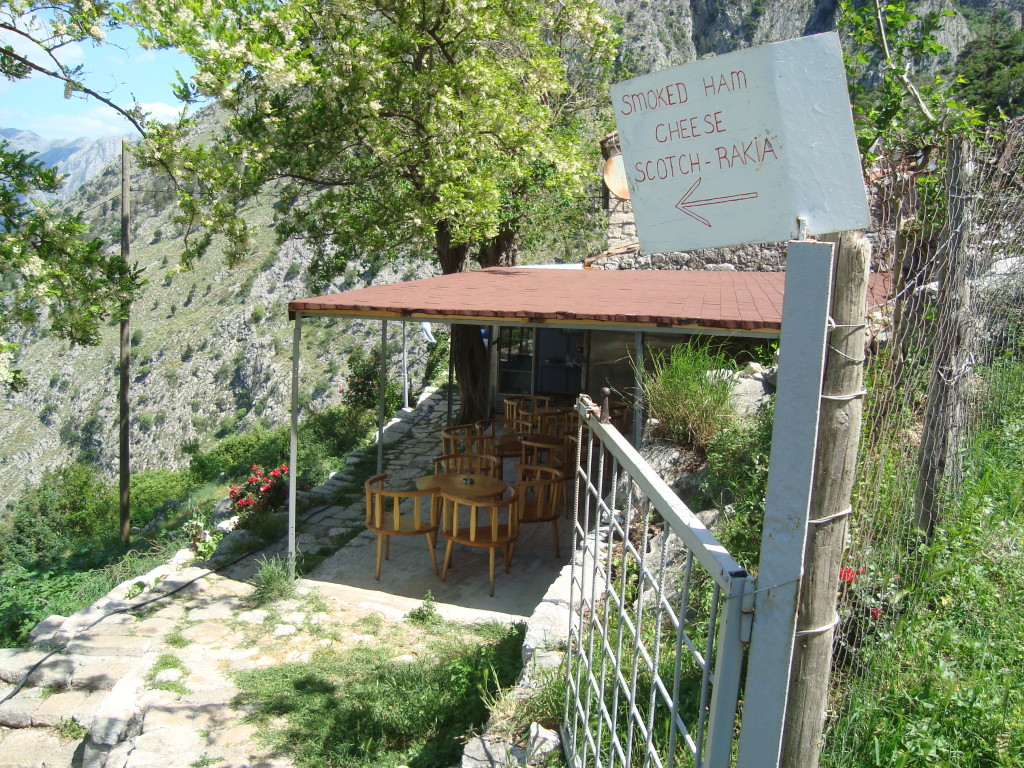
[656, 645]
[944, 369]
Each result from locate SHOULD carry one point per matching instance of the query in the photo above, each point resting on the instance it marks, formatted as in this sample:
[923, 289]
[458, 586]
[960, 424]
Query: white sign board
[739, 148]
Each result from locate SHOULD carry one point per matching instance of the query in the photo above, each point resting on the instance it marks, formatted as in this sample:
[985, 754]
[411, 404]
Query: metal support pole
[380, 394]
[293, 457]
[405, 369]
[788, 499]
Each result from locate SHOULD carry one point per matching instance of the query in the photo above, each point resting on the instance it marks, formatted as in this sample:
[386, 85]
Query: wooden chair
[475, 522]
[399, 513]
[560, 423]
[512, 408]
[467, 463]
[531, 403]
[500, 434]
[462, 438]
[540, 496]
[543, 451]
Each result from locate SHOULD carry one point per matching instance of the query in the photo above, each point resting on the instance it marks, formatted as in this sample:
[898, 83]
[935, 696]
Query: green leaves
[47, 264]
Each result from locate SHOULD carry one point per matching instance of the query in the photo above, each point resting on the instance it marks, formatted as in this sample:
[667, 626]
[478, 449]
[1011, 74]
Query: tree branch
[77, 87]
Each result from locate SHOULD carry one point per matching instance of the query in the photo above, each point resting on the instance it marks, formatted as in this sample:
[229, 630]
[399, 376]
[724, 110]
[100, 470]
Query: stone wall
[623, 254]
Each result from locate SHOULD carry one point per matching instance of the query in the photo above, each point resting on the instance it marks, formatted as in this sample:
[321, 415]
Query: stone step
[32, 709]
[63, 671]
[110, 645]
[36, 749]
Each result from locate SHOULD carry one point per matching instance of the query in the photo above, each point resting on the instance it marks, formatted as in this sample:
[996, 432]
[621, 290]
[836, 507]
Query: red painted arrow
[685, 203]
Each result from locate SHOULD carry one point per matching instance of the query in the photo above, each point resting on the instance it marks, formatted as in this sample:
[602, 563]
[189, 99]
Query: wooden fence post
[834, 475]
[938, 456]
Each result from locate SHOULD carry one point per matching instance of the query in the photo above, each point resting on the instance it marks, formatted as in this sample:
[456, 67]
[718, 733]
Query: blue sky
[118, 68]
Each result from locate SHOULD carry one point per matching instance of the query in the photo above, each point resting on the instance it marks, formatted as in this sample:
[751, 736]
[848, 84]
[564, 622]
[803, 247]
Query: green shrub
[737, 478]
[69, 503]
[690, 405]
[362, 389]
[30, 592]
[325, 438]
[435, 371]
[153, 488]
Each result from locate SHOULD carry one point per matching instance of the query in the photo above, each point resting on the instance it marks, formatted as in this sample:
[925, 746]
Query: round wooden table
[455, 484]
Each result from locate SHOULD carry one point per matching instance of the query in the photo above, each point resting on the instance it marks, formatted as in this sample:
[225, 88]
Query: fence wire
[940, 370]
[656, 645]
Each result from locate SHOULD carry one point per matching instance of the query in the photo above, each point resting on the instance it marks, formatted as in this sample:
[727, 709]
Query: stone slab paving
[97, 701]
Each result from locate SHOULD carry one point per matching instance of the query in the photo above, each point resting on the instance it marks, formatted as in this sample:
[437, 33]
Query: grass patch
[690, 405]
[164, 662]
[371, 624]
[272, 582]
[70, 730]
[937, 676]
[362, 708]
[425, 614]
[175, 638]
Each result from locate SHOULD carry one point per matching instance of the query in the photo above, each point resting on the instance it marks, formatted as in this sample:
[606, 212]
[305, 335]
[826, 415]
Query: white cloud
[161, 111]
[91, 123]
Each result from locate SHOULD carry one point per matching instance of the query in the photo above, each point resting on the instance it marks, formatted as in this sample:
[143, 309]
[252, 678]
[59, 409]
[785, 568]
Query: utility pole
[125, 424]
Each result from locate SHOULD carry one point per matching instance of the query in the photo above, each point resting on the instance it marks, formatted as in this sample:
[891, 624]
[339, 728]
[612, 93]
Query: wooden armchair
[477, 522]
[467, 463]
[399, 513]
[463, 438]
[539, 500]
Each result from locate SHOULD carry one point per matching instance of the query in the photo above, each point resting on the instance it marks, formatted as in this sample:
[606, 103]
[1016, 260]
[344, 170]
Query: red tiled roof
[657, 298]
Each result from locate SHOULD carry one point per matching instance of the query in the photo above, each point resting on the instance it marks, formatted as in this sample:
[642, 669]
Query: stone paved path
[101, 703]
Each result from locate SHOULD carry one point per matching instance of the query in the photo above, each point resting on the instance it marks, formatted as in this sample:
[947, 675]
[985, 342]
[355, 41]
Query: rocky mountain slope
[79, 159]
[211, 348]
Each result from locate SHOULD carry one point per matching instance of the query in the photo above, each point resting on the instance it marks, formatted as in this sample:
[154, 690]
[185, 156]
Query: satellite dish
[615, 177]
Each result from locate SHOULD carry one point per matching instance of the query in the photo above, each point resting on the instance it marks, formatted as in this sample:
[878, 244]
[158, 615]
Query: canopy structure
[641, 301]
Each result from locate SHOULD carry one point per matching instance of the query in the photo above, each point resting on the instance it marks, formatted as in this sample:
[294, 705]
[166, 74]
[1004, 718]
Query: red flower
[284, 467]
[847, 575]
[252, 480]
[876, 613]
[233, 493]
[275, 473]
[265, 488]
[862, 569]
[255, 467]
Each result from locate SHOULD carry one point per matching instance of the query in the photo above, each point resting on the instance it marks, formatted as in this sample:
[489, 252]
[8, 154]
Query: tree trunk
[468, 352]
[501, 250]
[834, 475]
[124, 401]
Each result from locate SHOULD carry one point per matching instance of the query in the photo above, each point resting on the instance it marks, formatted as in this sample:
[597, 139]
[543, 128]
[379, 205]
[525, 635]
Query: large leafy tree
[49, 267]
[386, 126]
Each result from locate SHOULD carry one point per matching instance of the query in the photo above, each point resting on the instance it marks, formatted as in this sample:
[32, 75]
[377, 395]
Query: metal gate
[661, 616]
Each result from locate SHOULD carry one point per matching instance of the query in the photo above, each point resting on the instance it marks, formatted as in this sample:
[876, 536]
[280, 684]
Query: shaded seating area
[467, 501]
[621, 315]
